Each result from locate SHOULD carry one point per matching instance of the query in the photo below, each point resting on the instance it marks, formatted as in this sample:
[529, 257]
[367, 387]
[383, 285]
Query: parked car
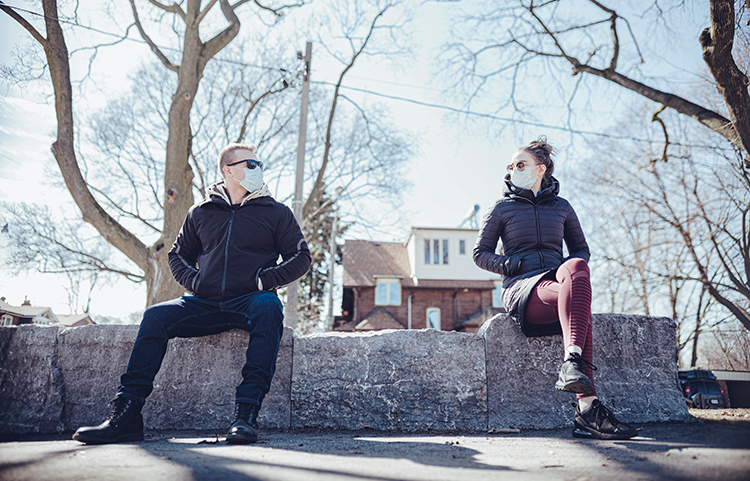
[701, 390]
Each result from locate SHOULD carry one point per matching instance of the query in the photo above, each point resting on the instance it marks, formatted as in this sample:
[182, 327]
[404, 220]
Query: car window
[697, 387]
[713, 388]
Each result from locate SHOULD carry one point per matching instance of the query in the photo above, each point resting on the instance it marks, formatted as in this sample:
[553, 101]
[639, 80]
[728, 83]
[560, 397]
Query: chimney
[26, 301]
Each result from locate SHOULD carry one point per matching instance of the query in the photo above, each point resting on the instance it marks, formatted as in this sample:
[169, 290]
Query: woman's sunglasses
[519, 166]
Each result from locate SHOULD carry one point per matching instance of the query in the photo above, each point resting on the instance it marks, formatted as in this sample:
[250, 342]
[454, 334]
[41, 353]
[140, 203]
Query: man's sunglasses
[251, 163]
[519, 166]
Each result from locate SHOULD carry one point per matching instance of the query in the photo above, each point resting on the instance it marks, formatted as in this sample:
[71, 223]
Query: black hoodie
[222, 250]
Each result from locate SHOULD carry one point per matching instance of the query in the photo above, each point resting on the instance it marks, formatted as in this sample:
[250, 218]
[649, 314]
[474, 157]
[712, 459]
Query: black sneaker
[572, 378]
[600, 423]
[125, 423]
[244, 430]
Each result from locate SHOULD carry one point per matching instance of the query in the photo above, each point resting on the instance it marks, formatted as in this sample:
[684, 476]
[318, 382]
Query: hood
[218, 193]
[509, 189]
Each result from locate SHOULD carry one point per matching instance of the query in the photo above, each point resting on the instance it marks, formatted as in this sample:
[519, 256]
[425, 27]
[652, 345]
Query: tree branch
[205, 11]
[154, 48]
[319, 183]
[22, 21]
[222, 39]
[655, 118]
[174, 8]
[64, 146]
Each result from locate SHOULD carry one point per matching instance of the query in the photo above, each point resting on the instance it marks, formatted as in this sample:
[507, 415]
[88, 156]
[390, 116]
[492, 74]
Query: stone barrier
[55, 379]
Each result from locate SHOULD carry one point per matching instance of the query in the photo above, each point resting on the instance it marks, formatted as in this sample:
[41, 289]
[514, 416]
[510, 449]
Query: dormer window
[436, 251]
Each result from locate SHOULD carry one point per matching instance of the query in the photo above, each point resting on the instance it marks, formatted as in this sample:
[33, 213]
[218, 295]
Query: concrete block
[196, 385]
[637, 361]
[416, 380]
[31, 391]
[91, 359]
[636, 358]
[193, 390]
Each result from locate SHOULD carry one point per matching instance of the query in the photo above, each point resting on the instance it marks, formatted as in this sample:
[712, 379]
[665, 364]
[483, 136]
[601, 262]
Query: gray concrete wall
[55, 379]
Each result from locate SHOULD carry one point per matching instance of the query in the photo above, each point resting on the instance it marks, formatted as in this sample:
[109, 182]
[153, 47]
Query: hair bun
[540, 144]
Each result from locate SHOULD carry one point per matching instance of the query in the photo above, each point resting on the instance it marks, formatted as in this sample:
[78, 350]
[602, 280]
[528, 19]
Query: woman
[546, 293]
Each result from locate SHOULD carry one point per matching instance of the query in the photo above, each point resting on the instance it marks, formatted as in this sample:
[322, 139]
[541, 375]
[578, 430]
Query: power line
[391, 97]
[121, 37]
[517, 121]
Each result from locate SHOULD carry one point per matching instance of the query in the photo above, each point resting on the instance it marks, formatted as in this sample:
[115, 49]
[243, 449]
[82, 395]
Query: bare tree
[528, 42]
[657, 233]
[189, 67]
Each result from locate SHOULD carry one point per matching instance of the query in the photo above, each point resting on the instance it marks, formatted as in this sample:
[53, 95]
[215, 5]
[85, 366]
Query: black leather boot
[244, 430]
[125, 423]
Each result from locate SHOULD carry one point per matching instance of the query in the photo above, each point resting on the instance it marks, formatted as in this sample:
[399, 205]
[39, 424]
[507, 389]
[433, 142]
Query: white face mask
[523, 179]
[253, 179]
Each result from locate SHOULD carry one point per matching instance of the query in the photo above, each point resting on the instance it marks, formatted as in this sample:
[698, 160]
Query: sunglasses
[251, 163]
[519, 166]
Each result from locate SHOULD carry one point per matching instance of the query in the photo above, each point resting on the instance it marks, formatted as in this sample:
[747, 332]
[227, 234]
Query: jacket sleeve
[574, 238]
[484, 249]
[183, 256]
[294, 252]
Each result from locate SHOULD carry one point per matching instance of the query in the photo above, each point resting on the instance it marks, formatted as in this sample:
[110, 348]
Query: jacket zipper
[539, 235]
[226, 255]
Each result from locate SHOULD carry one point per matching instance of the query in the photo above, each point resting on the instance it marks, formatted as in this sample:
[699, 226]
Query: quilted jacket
[532, 230]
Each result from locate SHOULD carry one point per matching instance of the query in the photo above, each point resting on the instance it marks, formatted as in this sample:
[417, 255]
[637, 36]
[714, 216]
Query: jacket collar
[509, 189]
[217, 193]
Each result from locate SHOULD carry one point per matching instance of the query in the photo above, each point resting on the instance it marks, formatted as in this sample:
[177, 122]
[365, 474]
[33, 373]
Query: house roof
[366, 260]
[27, 311]
[377, 320]
[75, 320]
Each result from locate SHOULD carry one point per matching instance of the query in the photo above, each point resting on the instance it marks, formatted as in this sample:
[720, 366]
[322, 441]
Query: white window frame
[6, 321]
[392, 286]
[439, 249]
[497, 295]
[429, 324]
[466, 245]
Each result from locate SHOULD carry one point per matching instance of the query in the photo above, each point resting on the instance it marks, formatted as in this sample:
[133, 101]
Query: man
[226, 255]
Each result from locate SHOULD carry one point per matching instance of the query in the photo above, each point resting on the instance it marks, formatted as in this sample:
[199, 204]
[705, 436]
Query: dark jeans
[259, 313]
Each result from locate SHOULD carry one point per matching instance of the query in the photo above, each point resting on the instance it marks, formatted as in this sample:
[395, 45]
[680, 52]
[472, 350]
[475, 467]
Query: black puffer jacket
[235, 245]
[532, 230]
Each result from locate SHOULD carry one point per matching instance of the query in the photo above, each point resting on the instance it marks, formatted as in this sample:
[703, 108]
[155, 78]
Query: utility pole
[292, 291]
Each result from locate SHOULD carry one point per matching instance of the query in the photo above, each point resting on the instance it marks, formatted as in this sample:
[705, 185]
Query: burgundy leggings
[568, 299]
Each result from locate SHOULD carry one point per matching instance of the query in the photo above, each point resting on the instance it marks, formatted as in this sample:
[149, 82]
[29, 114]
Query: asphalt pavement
[688, 451]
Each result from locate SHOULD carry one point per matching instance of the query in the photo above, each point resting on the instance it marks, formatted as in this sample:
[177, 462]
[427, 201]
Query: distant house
[75, 320]
[25, 314]
[429, 281]
[42, 316]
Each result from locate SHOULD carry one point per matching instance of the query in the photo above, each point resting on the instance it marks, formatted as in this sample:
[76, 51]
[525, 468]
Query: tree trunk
[63, 148]
[178, 175]
[717, 42]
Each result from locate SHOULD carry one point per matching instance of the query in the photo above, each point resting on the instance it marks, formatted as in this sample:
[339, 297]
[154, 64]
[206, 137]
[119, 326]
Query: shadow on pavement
[231, 461]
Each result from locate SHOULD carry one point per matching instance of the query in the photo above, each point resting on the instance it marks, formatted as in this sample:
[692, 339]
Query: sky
[454, 168]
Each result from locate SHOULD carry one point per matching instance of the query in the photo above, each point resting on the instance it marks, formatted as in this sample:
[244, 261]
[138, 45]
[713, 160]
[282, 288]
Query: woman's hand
[511, 265]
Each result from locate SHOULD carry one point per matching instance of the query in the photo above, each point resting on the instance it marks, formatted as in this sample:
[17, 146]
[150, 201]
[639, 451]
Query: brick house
[41, 316]
[429, 281]
[25, 314]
